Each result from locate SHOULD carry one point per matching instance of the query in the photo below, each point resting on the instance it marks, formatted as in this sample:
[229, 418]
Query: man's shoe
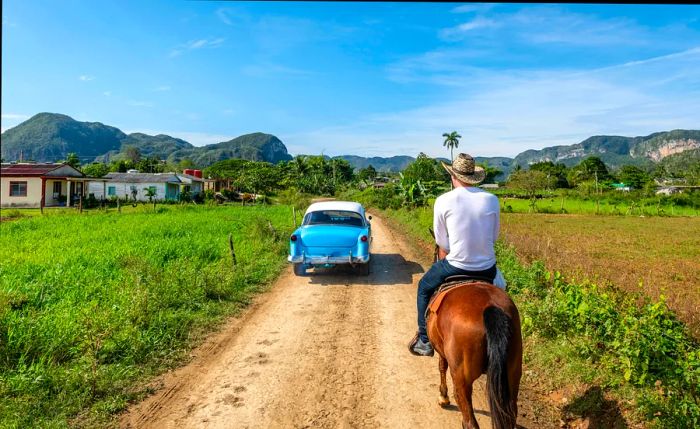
[420, 348]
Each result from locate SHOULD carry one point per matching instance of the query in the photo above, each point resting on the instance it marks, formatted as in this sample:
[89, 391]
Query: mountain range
[48, 137]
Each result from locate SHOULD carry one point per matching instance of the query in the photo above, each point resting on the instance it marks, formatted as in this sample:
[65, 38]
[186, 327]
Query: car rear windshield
[333, 217]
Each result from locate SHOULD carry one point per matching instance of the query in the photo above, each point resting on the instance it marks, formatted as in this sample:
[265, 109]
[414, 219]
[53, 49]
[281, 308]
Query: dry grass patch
[656, 256]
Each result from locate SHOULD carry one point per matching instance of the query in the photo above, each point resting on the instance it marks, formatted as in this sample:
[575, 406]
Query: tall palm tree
[452, 141]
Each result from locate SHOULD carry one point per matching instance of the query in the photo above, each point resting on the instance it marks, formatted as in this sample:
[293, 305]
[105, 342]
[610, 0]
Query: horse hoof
[443, 402]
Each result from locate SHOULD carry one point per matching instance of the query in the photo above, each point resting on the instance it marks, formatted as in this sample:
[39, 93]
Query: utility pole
[596, 181]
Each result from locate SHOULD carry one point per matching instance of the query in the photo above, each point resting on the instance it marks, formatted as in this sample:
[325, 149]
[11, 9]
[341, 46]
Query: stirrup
[413, 342]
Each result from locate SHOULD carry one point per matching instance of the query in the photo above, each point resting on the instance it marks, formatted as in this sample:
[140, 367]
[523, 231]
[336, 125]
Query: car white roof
[349, 206]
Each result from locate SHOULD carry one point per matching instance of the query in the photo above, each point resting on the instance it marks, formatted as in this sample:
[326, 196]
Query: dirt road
[323, 351]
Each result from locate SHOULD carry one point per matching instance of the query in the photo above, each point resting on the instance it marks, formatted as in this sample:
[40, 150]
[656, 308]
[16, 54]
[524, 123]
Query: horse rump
[499, 331]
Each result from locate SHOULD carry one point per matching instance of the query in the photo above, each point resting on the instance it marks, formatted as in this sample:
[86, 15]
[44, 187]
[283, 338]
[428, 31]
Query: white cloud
[162, 88]
[460, 30]
[502, 113]
[14, 116]
[223, 15]
[689, 52]
[196, 44]
[86, 78]
[548, 25]
[9, 120]
[474, 7]
[7, 23]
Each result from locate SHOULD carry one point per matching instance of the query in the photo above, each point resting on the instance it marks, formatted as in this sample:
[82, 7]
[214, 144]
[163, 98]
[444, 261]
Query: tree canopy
[426, 169]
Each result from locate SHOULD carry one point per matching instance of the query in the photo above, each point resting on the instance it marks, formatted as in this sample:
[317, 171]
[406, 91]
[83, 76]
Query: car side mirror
[369, 217]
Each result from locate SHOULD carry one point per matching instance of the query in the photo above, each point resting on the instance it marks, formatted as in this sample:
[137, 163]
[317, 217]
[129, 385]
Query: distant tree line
[420, 182]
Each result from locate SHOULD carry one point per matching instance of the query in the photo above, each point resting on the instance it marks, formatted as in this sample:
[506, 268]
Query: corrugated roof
[28, 169]
[143, 177]
[189, 178]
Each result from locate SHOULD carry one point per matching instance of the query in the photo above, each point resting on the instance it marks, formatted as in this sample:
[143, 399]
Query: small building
[135, 186]
[41, 185]
[621, 187]
[489, 186]
[217, 185]
[668, 190]
[192, 184]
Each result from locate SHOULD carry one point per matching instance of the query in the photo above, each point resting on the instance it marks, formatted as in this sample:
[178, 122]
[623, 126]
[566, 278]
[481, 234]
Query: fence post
[230, 246]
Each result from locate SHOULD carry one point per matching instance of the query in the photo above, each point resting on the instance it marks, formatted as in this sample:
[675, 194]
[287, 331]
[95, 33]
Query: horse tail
[499, 329]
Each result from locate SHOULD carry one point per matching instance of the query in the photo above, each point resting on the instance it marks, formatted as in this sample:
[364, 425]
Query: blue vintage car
[332, 233]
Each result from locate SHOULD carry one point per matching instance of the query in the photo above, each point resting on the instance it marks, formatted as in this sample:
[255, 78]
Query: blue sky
[370, 79]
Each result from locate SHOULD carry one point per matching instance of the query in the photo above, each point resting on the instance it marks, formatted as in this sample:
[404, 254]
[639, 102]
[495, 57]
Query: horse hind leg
[463, 395]
[444, 399]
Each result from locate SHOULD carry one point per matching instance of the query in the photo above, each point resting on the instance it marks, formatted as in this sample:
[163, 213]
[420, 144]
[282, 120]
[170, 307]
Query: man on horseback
[466, 222]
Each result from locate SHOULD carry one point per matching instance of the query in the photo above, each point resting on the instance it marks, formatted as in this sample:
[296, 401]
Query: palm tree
[451, 141]
[300, 166]
[150, 192]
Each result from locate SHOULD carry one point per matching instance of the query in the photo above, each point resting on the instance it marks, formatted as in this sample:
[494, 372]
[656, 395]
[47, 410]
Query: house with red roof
[41, 185]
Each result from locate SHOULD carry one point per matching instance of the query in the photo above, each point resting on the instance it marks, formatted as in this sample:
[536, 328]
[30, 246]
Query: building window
[18, 189]
[56, 189]
[111, 190]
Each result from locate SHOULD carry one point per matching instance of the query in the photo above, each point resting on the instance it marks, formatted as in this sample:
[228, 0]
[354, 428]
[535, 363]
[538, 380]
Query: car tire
[364, 269]
[299, 269]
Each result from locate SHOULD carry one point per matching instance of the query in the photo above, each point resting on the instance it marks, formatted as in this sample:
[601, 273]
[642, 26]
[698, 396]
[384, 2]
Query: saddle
[451, 283]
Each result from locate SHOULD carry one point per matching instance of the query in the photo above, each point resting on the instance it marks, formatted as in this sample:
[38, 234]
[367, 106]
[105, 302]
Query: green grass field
[93, 305]
[571, 205]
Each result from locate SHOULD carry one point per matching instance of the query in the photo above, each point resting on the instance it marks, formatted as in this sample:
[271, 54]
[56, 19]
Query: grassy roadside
[91, 306]
[618, 363]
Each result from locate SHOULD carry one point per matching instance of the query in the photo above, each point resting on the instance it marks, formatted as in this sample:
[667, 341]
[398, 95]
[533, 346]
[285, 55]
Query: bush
[293, 197]
[209, 194]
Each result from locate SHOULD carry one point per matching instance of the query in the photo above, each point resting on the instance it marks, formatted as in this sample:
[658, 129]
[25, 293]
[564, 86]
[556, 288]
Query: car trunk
[341, 236]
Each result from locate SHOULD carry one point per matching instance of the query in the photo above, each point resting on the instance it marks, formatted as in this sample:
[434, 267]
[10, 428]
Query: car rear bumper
[322, 260]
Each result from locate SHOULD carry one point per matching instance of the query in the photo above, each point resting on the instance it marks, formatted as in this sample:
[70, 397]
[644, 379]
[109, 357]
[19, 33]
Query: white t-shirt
[466, 223]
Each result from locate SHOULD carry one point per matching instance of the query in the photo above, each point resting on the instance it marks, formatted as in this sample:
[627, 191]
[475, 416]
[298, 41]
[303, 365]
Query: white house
[42, 185]
[133, 185]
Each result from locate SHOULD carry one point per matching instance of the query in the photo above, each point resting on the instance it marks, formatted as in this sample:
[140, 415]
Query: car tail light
[293, 237]
[363, 238]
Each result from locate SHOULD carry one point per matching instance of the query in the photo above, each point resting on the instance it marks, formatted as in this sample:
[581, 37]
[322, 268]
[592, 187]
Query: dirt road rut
[323, 351]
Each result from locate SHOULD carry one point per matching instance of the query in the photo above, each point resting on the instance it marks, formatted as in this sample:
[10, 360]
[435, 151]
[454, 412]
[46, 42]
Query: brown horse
[476, 330]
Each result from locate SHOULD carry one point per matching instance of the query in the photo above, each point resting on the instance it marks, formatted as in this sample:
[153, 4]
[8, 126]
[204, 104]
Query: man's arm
[440, 228]
[497, 223]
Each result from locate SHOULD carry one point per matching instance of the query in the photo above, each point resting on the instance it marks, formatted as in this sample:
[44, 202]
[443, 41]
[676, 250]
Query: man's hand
[442, 253]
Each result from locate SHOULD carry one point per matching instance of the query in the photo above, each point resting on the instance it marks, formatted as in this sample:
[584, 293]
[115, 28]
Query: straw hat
[465, 170]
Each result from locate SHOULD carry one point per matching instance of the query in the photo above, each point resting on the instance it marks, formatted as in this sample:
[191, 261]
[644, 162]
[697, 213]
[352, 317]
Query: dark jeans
[432, 280]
